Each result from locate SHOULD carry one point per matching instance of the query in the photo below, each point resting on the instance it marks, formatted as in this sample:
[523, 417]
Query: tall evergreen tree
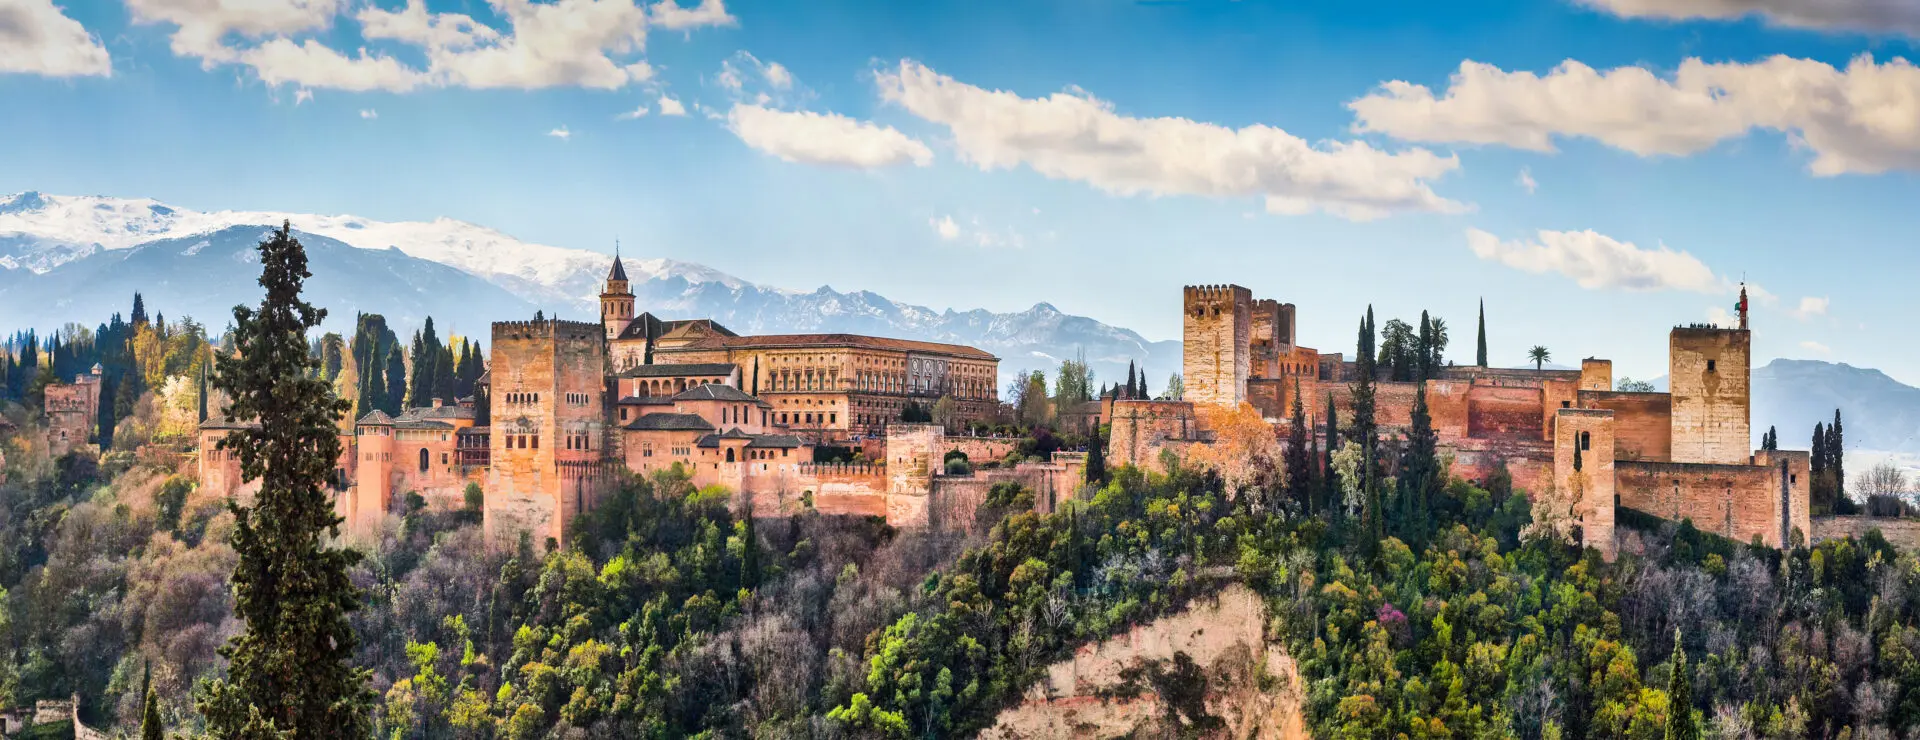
[1817, 486]
[1420, 478]
[1480, 349]
[1362, 430]
[290, 674]
[1299, 465]
[331, 356]
[150, 728]
[1330, 482]
[396, 381]
[1096, 472]
[1837, 457]
[1424, 362]
[418, 376]
[203, 393]
[445, 375]
[139, 310]
[1681, 723]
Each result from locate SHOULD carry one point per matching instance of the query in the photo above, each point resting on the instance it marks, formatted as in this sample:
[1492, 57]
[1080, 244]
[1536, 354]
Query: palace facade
[572, 406]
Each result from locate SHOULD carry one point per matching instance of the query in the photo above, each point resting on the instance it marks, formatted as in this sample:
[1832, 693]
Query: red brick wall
[1735, 501]
[1643, 423]
[1510, 413]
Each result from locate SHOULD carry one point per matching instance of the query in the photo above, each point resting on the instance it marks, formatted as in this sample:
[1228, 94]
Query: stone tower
[1218, 329]
[373, 494]
[549, 432]
[1708, 376]
[616, 300]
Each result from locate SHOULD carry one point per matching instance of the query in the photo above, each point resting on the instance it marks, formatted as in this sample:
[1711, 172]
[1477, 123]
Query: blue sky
[1094, 154]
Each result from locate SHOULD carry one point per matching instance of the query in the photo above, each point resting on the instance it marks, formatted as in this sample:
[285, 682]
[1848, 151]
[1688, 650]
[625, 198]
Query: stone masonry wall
[1708, 373]
[1588, 491]
[1140, 429]
[1217, 328]
[537, 369]
[1735, 501]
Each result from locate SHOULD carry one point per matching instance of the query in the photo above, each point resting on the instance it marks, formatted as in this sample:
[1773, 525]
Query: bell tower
[616, 301]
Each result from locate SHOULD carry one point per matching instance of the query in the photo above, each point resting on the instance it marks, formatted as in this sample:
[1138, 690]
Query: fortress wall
[1512, 413]
[1734, 501]
[1643, 423]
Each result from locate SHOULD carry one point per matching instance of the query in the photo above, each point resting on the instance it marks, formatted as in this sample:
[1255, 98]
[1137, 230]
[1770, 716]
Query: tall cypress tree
[1681, 724]
[1424, 363]
[1096, 472]
[1817, 462]
[396, 381]
[1298, 462]
[1420, 476]
[1362, 429]
[291, 672]
[1837, 457]
[1328, 480]
[421, 373]
[1480, 351]
[139, 310]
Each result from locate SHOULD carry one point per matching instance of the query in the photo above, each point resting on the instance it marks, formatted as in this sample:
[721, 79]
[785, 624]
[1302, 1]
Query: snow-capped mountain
[68, 258]
[39, 232]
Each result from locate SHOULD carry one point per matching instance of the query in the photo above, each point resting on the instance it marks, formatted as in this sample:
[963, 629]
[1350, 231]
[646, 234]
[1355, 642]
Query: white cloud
[670, 15]
[671, 107]
[1862, 119]
[977, 235]
[36, 38]
[302, 95]
[1870, 16]
[825, 138]
[945, 227]
[1811, 306]
[1722, 317]
[1526, 181]
[1816, 347]
[1596, 261]
[561, 133]
[369, 113]
[1074, 136]
[635, 113]
[562, 43]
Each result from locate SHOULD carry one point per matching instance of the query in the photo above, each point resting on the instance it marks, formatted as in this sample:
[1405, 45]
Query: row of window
[809, 418]
[578, 399]
[522, 398]
[521, 441]
[578, 442]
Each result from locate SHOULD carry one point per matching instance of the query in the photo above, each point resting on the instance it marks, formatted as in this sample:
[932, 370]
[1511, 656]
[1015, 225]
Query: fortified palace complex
[1685, 454]
[572, 403]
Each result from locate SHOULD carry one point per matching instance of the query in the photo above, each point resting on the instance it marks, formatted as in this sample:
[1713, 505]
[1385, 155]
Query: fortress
[1685, 454]
[570, 406]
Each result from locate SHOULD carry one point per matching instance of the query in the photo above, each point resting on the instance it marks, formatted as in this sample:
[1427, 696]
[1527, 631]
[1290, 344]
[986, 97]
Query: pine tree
[290, 673]
[203, 393]
[1362, 429]
[331, 360]
[139, 310]
[1681, 723]
[749, 551]
[1096, 472]
[1480, 350]
[1424, 362]
[445, 381]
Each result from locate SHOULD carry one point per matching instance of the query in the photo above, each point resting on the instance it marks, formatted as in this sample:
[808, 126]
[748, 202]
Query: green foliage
[289, 673]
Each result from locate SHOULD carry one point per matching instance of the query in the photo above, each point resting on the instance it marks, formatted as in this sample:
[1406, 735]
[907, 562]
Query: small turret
[1741, 307]
[616, 301]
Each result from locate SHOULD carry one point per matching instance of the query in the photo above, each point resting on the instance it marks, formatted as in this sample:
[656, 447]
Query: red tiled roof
[836, 340]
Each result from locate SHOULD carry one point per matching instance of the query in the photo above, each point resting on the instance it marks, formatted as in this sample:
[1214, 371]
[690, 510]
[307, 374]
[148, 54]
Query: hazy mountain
[1878, 412]
[205, 275]
[48, 241]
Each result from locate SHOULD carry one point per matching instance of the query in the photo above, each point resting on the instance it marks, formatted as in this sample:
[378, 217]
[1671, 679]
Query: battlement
[1706, 329]
[547, 329]
[1214, 296]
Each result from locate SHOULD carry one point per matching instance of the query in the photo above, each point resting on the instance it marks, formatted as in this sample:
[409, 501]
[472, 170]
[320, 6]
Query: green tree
[1420, 478]
[1837, 457]
[1298, 463]
[1480, 350]
[396, 375]
[1096, 472]
[1681, 722]
[290, 673]
[1176, 387]
[1539, 355]
[332, 355]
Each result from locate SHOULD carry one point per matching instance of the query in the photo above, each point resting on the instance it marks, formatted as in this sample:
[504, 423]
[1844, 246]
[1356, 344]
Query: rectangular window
[1710, 365]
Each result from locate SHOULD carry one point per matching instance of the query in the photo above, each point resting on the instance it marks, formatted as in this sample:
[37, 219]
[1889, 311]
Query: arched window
[729, 454]
[423, 459]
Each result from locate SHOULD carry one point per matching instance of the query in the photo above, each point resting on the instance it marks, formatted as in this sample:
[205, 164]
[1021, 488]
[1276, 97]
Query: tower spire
[1742, 306]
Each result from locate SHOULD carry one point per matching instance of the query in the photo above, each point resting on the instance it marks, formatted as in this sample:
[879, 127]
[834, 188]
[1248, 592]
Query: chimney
[436, 403]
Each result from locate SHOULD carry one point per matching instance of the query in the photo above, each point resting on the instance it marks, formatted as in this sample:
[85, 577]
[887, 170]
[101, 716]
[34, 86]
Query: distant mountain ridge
[56, 266]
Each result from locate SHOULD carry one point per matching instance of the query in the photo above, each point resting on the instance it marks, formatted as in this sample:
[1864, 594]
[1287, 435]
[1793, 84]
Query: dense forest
[1414, 605]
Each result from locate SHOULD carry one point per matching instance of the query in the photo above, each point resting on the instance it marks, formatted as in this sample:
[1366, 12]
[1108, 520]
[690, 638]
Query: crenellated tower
[1217, 329]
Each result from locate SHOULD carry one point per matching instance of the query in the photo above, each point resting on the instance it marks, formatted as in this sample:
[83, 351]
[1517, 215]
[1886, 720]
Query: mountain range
[80, 258]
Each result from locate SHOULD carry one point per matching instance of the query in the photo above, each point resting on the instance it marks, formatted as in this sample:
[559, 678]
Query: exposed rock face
[1250, 684]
